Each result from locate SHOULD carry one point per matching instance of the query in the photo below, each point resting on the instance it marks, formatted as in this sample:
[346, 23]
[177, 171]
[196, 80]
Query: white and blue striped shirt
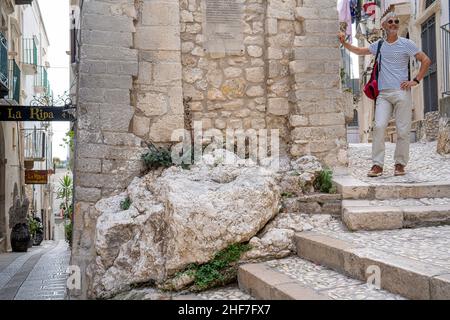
[394, 62]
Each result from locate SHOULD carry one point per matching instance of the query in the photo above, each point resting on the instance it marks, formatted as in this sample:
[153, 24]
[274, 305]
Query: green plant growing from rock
[221, 270]
[125, 204]
[323, 182]
[157, 158]
[287, 195]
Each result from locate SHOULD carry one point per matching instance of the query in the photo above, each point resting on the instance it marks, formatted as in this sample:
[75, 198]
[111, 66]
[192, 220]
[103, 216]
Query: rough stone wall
[141, 58]
[443, 145]
[225, 90]
[428, 129]
[281, 30]
[157, 90]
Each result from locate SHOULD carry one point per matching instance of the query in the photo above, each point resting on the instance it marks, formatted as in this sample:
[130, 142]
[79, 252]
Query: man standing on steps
[395, 91]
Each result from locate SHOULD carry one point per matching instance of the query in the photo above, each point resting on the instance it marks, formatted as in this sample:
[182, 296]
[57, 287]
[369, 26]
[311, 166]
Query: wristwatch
[415, 79]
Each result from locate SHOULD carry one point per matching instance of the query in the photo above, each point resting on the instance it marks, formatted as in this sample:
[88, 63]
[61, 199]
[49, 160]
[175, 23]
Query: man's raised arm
[351, 48]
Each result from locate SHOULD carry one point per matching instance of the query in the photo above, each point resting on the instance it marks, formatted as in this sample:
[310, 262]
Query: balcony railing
[41, 82]
[14, 81]
[4, 84]
[30, 52]
[34, 144]
[446, 58]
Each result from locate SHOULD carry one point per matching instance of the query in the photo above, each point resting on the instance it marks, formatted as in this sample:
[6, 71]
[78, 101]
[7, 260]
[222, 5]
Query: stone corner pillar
[319, 119]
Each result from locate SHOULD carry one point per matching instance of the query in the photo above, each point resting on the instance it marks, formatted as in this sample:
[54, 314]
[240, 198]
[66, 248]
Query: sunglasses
[394, 21]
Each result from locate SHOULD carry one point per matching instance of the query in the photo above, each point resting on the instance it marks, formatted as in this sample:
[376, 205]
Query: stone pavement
[231, 292]
[39, 274]
[425, 164]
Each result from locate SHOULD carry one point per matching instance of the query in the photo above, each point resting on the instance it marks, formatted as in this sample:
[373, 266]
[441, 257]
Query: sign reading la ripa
[21, 113]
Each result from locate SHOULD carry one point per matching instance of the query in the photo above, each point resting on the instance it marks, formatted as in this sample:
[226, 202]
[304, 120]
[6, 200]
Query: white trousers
[398, 102]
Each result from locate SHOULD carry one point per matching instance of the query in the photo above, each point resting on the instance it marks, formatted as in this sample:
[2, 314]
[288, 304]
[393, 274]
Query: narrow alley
[39, 274]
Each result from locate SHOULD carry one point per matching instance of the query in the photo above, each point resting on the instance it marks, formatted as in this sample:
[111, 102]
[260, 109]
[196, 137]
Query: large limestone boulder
[178, 218]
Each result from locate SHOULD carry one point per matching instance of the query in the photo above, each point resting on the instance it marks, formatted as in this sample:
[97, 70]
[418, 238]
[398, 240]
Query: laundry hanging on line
[345, 16]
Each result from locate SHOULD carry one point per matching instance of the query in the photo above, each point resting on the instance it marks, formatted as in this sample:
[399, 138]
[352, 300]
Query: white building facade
[23, 76]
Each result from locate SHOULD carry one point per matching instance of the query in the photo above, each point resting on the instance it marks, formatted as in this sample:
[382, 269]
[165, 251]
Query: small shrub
[333, 190]
[34, 226]
[125, 204]
[287, 195]
[324, 182]
[157, 157]
[68, 229]
[221, 270]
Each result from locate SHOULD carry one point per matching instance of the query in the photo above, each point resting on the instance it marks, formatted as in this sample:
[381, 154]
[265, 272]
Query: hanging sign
[21, 113]
[36, 176]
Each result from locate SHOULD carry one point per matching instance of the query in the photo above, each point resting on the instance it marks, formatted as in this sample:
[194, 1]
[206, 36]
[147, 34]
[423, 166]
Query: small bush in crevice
[157, 158]
[287, 195]
[323, 182]
[221, 270]
[125, 204]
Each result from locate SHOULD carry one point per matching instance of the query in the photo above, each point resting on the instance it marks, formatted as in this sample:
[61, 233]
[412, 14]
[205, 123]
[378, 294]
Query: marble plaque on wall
[222, 26]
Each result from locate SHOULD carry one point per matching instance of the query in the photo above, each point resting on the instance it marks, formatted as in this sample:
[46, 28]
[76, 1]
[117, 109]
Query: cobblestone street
[39, 274]
[425, 164]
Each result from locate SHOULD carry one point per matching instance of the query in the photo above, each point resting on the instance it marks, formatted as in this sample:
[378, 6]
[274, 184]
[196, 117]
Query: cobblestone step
[352, 188]
[363, 215]
[264, 283]
[294, 278]
[401, 275]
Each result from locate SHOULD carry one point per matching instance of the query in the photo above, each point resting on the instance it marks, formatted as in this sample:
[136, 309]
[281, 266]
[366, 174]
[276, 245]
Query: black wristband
[415, 79]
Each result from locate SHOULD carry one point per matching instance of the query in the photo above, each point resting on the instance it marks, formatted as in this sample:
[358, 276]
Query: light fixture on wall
[28, 164]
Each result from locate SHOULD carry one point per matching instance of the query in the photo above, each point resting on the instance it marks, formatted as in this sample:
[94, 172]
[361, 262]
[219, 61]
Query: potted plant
[36, 230]
[20, 235]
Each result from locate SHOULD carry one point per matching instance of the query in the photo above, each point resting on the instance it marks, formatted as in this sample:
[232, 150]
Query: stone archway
[2, 192]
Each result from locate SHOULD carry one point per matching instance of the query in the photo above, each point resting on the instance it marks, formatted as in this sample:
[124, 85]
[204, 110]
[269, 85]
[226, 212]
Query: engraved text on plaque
[222, 25]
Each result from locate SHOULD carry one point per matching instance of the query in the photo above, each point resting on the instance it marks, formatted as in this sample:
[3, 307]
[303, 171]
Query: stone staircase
[411, 278]
[295, 278]
[388, 206]
[402, 235]
[331, 267]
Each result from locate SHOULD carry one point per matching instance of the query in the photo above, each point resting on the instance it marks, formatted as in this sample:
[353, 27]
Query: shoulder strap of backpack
[379, 48]
[379, 55]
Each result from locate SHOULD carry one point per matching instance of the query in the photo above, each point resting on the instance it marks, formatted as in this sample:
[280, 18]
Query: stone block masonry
[145, 71]
[108, 152]
[318, 119]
